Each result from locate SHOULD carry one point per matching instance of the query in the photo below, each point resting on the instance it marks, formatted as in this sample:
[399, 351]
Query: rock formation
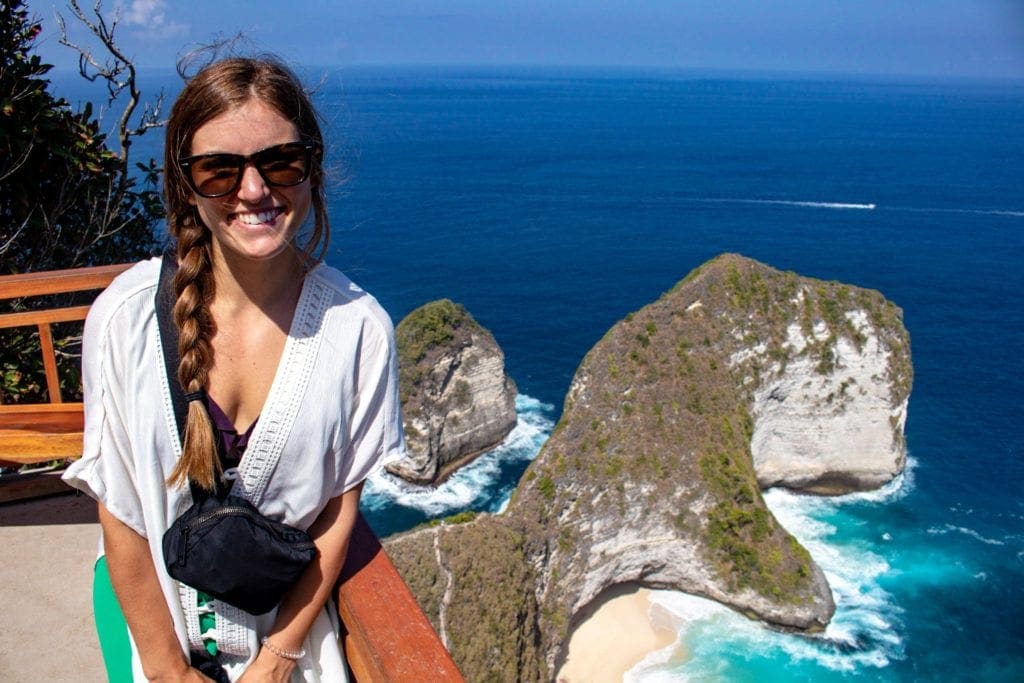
[457, 400]
[649, 477]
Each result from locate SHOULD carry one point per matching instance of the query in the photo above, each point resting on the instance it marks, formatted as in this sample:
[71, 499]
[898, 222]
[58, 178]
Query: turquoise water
[553, 203]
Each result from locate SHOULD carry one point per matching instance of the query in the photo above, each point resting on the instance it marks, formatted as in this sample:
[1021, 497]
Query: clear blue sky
[935, 38]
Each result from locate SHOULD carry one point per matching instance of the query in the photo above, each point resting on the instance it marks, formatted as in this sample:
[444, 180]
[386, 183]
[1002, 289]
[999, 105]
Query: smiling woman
[264, 415]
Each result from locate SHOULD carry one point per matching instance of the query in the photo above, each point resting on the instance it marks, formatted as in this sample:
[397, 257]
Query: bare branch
[18, 163]
[13, 238]
[118, 72]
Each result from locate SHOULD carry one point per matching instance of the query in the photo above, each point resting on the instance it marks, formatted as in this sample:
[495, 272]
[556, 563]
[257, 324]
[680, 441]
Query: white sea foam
[897, 489]
[476, 480]
[864, 630]
[865, 633]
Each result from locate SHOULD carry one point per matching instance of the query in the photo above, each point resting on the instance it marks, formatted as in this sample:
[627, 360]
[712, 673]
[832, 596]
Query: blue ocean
[551, 203]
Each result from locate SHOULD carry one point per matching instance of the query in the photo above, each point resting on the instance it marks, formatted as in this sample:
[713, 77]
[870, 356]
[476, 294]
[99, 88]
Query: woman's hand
[305, 600]
[268, 668]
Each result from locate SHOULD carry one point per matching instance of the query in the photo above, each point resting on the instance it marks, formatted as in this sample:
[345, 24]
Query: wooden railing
[386, 636]
[32, 433]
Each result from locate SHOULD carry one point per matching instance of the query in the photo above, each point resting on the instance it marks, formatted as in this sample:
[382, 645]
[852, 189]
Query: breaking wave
[484, 485]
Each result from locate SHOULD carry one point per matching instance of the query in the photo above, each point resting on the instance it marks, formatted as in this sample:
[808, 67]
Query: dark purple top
[232, 443]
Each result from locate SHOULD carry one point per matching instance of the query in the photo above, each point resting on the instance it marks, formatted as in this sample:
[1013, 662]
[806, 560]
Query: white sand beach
[615, 636]
[47, 631]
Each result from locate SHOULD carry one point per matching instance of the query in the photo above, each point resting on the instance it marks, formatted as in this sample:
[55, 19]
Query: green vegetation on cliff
[430, 327]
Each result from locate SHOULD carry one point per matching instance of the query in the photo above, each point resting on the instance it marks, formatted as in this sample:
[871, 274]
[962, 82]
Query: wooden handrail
[59, 281]
[386, 636]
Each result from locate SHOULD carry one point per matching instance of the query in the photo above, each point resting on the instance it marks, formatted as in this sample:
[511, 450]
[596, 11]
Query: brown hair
[216, 89]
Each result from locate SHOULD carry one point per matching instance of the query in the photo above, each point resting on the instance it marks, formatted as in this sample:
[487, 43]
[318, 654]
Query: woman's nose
[253, 186]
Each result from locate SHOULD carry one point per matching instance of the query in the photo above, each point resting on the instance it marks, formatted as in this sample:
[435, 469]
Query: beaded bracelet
[283, 654]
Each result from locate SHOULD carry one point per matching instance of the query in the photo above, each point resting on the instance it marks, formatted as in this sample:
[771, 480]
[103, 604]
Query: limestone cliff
[457, 399]
[649, 476]
[831, 404]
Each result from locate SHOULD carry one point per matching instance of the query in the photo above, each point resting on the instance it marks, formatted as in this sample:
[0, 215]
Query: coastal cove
[554, 203]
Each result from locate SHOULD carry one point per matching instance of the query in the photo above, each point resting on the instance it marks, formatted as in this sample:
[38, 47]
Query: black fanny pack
[223, 545]
[226, 548]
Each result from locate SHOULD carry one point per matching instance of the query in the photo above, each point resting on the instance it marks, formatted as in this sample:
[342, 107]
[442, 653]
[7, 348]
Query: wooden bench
[386, 636]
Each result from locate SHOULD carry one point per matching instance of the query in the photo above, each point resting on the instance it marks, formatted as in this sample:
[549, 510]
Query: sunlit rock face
[837, 429]
[457, 399]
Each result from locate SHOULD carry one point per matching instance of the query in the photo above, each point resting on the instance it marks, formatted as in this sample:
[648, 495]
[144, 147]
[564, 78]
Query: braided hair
[218, 88]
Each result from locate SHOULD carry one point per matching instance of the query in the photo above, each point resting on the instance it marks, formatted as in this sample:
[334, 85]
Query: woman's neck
[268, 285]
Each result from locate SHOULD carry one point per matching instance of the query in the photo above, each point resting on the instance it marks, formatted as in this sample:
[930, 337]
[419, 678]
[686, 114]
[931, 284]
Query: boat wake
[973, 212]
[813, 205]
[853, 206]
[842, 206]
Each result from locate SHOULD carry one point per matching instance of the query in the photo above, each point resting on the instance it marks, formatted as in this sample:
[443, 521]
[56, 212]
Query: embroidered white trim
[286, 392]
[234, 625]
[189, 599]
[165, 391]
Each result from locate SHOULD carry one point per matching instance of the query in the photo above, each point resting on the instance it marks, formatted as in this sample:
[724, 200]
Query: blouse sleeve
[375, 428]
[106, 470]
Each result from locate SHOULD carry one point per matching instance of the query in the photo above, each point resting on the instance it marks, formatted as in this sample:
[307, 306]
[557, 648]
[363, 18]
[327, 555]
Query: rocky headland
[457, 399]
[739, 378]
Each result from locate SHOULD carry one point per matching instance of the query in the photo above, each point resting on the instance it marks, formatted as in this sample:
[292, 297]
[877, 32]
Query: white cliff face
[465, 406]
[834, 431]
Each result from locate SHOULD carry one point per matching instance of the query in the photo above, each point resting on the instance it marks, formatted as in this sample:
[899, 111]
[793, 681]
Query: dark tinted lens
[216, 174]
[284, 165]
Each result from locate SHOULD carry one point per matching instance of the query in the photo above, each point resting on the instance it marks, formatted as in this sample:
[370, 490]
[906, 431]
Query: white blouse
[332, 416]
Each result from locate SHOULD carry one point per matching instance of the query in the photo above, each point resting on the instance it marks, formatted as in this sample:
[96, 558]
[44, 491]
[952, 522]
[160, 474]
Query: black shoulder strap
[169, 335]
[169, 341]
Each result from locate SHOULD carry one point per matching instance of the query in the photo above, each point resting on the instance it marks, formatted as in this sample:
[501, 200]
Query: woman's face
[257, 221]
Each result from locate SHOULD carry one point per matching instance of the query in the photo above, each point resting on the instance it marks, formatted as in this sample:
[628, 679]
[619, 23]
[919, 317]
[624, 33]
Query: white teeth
[257, 218]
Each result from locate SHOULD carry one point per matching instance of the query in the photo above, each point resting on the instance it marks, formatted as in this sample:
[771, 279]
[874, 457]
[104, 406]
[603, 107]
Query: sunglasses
[218, 174]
